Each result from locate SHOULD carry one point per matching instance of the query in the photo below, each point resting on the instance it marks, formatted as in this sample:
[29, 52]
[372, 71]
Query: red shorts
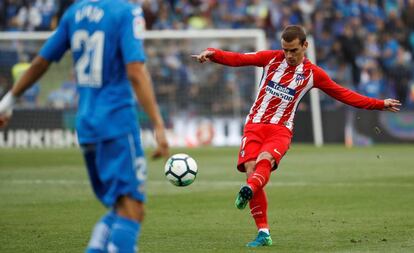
[257, 138]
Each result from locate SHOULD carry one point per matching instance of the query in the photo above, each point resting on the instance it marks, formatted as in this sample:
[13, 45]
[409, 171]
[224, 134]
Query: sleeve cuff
[7, 103]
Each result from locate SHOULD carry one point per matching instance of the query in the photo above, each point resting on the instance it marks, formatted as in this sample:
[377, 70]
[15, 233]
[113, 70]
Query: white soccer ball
[181, 169]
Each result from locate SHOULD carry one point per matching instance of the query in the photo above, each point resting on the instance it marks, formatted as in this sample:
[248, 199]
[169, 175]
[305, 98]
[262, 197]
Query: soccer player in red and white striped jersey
[287, 76]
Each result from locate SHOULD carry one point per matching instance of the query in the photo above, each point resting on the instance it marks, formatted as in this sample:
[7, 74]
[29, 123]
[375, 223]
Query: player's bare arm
[391, 105]
[141, 82]
[204, 56]
[38, 67]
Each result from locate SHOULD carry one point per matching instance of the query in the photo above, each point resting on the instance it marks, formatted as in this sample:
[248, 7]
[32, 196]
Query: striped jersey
[282, 86]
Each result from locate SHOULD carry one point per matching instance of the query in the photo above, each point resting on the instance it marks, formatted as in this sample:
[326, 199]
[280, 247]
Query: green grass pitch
[329, 199]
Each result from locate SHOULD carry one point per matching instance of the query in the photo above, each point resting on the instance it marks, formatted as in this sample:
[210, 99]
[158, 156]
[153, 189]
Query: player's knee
[130, 209]
[136, 213]
[266, 156]
[249, 166]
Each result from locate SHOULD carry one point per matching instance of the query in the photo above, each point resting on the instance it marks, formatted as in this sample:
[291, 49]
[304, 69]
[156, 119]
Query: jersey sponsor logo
[279, 91]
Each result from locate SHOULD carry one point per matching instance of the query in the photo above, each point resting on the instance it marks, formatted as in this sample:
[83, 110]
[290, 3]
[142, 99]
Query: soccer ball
[181, 169]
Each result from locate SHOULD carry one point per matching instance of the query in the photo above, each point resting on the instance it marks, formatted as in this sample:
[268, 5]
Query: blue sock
[124, 235]
[100, 234]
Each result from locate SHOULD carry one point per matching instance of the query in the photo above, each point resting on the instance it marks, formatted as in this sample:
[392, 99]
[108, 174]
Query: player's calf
[127, 225]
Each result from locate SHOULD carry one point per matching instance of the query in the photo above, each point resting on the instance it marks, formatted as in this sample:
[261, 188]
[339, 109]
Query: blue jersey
[103, 35]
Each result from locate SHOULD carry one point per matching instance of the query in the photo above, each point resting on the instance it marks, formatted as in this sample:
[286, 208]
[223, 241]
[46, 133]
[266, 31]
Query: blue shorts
[116, 167]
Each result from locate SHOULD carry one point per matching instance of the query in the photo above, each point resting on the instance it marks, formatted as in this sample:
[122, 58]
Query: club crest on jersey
[279, 91]
[300, 77]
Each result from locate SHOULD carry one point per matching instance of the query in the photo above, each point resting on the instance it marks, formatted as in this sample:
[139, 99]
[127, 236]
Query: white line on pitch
[212, 183]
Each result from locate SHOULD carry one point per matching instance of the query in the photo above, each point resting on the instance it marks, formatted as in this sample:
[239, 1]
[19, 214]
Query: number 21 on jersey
[89, 65]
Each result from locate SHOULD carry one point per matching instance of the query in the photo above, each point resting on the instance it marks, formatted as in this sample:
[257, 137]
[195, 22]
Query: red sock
[260, 176]
[258, 209]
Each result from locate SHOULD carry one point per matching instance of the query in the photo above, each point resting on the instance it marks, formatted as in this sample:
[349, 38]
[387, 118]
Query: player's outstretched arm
[391, 105]
[349, 97]
[235, 59]
[38, 67]
[142, 85]
[203, 56]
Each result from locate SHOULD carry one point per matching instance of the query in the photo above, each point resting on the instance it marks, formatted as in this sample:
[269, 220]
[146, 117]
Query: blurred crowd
[366, 45]
[31, 15]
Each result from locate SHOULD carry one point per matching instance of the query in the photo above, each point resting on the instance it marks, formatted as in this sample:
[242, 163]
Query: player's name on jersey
[92, 13]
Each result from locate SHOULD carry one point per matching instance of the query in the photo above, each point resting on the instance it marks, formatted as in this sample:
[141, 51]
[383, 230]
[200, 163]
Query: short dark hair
[292, 32]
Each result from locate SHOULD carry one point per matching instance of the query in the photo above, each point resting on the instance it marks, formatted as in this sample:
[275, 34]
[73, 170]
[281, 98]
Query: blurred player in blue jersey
[105, 39]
